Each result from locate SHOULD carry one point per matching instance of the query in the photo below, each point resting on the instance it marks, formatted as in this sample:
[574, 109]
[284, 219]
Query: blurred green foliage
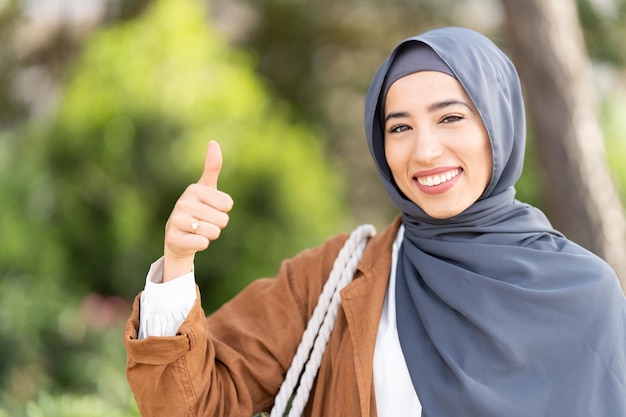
[614, 123]
[604, 26]
[131, 134]
[84, 199]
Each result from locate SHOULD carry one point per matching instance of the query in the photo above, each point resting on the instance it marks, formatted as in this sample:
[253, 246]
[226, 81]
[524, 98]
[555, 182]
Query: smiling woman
[469, 304]
[486, 291]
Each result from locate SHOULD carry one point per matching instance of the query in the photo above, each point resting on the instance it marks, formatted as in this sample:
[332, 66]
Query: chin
[443, 214]
[445, 210]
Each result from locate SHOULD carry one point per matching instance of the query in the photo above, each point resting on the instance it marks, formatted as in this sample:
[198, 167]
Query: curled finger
[206, 229]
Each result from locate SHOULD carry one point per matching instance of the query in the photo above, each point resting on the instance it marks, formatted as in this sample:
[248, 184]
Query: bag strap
[319, 328]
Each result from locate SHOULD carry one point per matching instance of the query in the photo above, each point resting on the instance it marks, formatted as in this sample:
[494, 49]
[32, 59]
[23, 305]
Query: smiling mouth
[434, 180]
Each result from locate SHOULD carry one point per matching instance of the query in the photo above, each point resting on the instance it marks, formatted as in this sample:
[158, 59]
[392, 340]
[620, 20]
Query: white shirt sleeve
[164, 306]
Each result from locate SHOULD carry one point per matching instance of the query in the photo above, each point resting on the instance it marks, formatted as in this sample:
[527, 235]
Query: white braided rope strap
[320, 326]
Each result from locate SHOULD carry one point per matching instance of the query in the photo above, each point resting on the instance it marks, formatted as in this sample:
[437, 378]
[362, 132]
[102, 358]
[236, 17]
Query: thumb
[212, 165]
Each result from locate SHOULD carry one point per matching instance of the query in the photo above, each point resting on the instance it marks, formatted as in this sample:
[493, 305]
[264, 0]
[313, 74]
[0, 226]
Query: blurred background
[106, 108]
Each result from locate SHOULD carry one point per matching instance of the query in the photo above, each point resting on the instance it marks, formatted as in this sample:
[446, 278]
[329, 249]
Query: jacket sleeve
[233, 362]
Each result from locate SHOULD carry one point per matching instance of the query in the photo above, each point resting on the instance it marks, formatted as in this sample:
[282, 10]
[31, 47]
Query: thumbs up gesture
[198, 218]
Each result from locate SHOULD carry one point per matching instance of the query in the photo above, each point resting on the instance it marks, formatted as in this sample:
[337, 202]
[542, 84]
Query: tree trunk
[579, 195]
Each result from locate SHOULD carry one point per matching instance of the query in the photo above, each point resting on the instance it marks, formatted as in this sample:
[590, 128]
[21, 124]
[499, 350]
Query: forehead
[424, 88]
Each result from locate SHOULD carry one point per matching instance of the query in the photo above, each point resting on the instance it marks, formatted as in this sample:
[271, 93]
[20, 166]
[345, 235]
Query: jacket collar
[362, 301]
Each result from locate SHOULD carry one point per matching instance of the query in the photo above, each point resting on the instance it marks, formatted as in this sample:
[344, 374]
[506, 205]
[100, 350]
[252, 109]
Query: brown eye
[398, 128]
[451, 119]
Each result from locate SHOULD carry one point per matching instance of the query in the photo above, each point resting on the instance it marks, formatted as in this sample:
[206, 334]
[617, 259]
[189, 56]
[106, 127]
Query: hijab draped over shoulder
[498, 314]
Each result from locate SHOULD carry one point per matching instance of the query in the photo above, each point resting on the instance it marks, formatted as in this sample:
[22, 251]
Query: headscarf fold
[498, 314]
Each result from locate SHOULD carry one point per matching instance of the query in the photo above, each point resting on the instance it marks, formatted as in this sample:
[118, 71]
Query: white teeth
[438, 179]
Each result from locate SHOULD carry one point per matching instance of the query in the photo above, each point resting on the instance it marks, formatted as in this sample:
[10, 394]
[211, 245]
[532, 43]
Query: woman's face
[436, 143]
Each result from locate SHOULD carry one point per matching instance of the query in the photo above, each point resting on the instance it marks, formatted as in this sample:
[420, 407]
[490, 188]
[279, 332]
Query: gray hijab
[498, 314]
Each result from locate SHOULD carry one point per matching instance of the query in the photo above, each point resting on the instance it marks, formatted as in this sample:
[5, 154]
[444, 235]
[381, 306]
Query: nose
[426, 146]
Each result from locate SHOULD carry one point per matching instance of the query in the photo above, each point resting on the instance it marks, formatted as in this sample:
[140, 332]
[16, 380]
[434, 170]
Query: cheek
[486, 162]
[395, 153]
[489, 168]
[394, 157]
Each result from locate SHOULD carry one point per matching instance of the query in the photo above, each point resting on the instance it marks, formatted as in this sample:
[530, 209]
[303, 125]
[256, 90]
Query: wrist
[174, 267]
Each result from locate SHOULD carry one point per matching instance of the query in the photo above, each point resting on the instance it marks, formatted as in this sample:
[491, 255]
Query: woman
[469, 304]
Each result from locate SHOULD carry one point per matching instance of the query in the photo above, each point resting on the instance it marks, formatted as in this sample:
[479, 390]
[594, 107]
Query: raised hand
[198, 218]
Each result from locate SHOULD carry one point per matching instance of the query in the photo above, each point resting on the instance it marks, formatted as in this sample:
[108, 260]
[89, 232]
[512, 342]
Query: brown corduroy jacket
[232, 362]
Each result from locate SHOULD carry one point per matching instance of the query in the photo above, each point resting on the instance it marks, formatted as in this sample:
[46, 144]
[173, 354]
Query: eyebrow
[431, 108]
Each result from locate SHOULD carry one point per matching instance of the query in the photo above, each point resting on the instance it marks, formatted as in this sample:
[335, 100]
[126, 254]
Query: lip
[440, 188]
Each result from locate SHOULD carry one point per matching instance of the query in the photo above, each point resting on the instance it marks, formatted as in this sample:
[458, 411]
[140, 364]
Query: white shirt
[164, 307]
[395, 395]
